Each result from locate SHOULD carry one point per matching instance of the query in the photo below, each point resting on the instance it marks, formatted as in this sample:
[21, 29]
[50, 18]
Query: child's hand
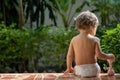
[69, 70]
[111, 71]
[110, 61]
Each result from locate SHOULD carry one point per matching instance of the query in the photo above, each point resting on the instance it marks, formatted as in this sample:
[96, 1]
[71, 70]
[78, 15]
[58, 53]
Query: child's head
[86, 20]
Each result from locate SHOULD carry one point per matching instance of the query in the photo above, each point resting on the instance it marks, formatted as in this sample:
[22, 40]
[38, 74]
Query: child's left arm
[111, 71]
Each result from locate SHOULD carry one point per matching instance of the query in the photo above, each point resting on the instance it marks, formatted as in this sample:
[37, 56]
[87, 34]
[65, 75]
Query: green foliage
[54, 47]
[30, 48]
[9, 11]
[108, 10]
[18, 47]
[47, 46]
[101, 31]
[12, 43]
[65, 9]
[111, 44]
[36, 11]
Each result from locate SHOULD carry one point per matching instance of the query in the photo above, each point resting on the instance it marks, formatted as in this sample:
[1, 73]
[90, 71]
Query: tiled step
[52, 76]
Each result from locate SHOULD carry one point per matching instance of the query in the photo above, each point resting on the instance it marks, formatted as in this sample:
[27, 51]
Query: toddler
[85, 47]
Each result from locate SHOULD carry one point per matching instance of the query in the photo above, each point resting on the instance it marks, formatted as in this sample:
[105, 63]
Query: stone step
[52, 76]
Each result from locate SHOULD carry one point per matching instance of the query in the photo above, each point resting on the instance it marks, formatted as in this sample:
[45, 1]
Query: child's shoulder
[74, 38]
[96, 39]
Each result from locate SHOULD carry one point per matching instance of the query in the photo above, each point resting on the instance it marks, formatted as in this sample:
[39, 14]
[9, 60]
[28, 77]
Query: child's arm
[109, 57]
[102, 55]
[69, 59]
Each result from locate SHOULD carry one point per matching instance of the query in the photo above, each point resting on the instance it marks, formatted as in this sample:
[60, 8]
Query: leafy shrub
[18, 48]
[30, 48]
[111, 44]
[54, 47]
[12, 43]
[46, 47]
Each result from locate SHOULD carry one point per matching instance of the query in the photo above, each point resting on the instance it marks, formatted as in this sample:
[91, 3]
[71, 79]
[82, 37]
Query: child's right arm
[102, 55]
[69, 59]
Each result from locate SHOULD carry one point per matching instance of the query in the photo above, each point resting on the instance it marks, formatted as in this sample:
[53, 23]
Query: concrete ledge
[52, 76]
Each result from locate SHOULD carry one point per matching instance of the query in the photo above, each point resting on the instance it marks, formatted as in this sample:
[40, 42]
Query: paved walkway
[51, 76]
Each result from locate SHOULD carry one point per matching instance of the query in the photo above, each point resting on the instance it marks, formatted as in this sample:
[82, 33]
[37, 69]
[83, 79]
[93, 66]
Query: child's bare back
[84, 47]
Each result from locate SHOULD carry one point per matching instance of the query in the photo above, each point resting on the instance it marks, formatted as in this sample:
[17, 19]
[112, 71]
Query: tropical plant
[12, 11]
[36, 11]
[18, 48]
[112, 37]
[108, 10]
[116, 10]
[9, 11]
[27, 49]
[55, 45]
[65, 9]
[11, 46]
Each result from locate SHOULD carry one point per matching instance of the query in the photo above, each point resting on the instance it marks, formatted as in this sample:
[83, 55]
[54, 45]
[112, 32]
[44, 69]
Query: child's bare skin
[110, 69]
[85, 49]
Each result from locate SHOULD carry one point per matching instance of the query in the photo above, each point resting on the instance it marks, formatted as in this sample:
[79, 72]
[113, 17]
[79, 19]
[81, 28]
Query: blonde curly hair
[86, 20]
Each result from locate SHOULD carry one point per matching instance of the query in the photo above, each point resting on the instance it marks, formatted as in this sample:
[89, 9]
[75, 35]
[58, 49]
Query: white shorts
[87, 70]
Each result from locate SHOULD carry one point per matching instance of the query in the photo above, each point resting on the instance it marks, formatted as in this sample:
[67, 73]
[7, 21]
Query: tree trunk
[30, 19]
[20, 12]
[4, 13]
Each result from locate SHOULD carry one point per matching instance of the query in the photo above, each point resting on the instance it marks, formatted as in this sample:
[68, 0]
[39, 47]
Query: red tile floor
[52, 76]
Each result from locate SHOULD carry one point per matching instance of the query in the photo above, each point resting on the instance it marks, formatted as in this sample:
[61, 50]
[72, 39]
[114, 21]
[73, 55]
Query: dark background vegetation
[41, 47]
